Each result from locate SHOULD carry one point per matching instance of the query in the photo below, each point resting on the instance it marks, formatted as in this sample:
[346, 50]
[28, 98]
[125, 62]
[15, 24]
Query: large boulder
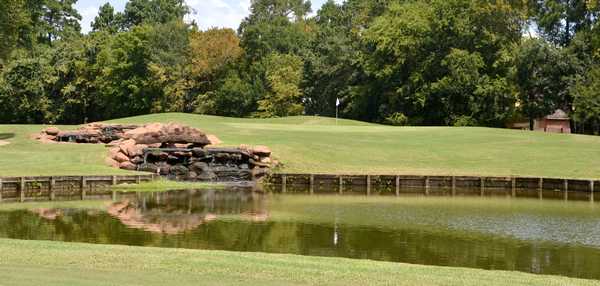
[127, 166]
[52, 131]
[167, 133]
[111, 162]
[120, 157]
[261, 150]
[128, 147]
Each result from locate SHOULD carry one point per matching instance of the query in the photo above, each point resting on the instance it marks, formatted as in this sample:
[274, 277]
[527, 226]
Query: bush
[465, 120]
[396, 119]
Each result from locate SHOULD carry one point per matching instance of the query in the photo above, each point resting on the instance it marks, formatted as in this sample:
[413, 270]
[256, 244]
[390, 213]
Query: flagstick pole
[336, 114]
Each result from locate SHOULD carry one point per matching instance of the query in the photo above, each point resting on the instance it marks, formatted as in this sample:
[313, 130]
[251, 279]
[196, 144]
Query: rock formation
[172, 150]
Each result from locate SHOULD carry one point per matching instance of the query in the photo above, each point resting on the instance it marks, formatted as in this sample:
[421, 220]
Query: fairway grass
[319, 145]
[60, 263]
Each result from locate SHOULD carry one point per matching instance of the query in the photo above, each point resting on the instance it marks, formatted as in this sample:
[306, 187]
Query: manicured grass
[165, 185]
[318, 145]
[59, 263]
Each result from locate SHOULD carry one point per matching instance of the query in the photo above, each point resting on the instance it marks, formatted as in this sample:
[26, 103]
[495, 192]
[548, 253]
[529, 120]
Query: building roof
[558, 114]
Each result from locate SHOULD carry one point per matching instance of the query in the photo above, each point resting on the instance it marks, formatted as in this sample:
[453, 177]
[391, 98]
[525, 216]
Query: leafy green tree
[14, 23]
[586, 103]
[559, 20]
[107, 19]
[331, 64]
[274, 26]
[26, 91]
[426, 61]
[283, 75]
[139, 12]
[539, 75]
[54, 19]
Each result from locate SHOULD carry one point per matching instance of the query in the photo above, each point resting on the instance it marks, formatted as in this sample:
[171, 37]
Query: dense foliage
[400, 62]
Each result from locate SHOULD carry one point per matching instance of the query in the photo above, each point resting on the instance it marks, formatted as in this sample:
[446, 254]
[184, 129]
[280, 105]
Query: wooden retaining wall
[54, 187]
[449, 185]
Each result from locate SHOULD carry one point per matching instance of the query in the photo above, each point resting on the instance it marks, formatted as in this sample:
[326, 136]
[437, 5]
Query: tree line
[399, 62]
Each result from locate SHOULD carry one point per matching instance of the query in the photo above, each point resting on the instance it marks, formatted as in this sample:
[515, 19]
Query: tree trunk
[531, 122]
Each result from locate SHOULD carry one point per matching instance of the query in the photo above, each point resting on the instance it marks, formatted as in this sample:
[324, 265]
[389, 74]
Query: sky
[207, 13]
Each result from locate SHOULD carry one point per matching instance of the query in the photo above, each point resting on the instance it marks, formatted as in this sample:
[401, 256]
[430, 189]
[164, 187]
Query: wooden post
[312, 184]
[513, 187]
[566, 189]
[592, 191]
[114, 180]
[368, 185]
[283, 183]
[397, 186]
[138, 179]
[482, 186]
[114, 195]
[541, 188]
[453, 186]
[22, 189]
[341, 184]
[51, 188]
[427, 186]
[1, 187]
[83, 187]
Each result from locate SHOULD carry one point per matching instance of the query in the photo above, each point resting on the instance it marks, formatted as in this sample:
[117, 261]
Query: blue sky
[207, 13]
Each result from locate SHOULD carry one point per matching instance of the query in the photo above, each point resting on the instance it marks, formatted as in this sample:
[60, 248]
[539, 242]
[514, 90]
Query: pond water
[547, 237]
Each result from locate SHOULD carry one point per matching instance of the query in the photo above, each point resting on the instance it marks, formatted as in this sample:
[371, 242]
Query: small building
[557, 122]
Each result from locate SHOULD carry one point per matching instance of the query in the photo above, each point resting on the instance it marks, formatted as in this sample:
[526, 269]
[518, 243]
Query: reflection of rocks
[180, 211]
[172, 223]
[50, 214]
[256, 217]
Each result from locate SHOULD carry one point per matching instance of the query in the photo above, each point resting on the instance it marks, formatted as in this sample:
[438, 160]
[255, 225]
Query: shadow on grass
[4, 136]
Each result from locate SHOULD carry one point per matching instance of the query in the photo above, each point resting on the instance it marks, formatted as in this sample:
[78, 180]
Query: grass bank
[162, 185]
[58, 263]
[318, 145]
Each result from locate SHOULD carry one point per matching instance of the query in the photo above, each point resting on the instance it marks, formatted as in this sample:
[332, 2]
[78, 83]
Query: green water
[547, 237]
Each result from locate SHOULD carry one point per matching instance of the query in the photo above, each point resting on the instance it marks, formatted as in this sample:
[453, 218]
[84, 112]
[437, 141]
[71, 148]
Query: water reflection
[532, 236]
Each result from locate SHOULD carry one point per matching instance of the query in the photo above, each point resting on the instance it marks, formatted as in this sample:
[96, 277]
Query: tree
[559, 20]
[283, 75]
[331, 64]
[586, 103]
[274, 26]
[55, 19]
[13, 25]
[539, 73]
[26, 89]
[213, 54]
[106, 20]
[139, 12]
[427, 61]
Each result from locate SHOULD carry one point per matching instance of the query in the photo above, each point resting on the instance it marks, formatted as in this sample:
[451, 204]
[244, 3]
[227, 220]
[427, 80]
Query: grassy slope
[58, 263]
[312, 144]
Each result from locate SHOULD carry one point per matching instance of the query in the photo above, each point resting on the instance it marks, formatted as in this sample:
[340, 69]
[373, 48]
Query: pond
[546, 237]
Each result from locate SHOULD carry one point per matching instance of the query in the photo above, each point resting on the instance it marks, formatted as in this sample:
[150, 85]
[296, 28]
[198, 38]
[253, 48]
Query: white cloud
[219, 13]
[87, 17]
[206, 13]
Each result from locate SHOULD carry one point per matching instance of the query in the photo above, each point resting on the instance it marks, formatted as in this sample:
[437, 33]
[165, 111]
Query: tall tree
[586, 103]
[283, 74]
[540, 71]
[14, 24]
[417, 51]
[274, 26]
[107, 20]
[153, 12]
[58, 19]
[559, 20]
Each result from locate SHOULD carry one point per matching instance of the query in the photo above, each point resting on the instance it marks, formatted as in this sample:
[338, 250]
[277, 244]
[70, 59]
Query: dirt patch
[3, 142]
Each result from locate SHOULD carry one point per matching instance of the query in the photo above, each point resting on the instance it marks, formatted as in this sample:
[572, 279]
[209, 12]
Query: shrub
[396, 119]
